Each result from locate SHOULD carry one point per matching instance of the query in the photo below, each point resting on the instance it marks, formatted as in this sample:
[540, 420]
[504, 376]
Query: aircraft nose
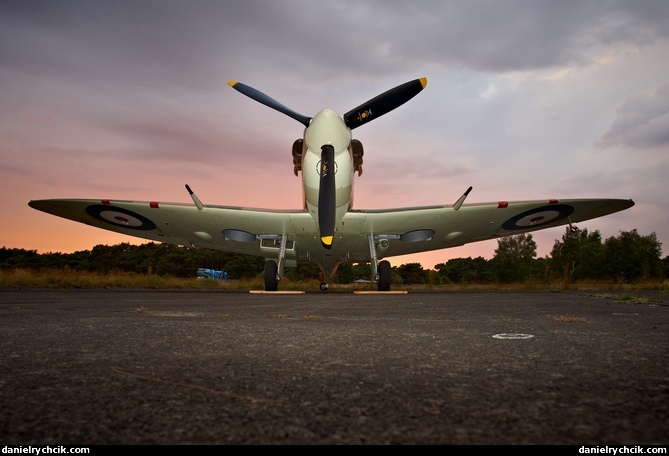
[327, 128]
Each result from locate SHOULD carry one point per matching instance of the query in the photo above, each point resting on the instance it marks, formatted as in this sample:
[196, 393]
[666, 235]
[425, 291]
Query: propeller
[327, 198]
[366, 112]
[384, 103]
[268, 101]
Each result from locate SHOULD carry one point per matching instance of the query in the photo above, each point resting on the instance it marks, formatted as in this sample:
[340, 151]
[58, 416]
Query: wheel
[384, 276]
[271, 268]
[325, 286]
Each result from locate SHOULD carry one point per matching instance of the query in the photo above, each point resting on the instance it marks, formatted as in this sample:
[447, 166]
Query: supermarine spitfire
[327, 230]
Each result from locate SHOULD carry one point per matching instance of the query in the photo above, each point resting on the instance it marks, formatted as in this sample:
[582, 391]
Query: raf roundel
[120, 217]
[538, 217]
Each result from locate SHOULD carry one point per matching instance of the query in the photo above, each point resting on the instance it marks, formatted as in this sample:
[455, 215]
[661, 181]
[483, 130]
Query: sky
[526, 99]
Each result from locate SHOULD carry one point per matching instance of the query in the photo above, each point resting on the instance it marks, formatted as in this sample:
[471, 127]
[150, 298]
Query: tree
[465, 270]
[349, 272]
[514, 258]
[303, 271]
[19, 258]
[631, 256]
[580, 255]
[245, 267]
[413, 273]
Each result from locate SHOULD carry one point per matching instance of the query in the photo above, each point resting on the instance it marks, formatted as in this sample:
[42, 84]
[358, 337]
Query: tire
[271, 268]
[384, 276]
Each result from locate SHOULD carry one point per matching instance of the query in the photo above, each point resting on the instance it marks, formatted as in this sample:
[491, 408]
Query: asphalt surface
[90, 367]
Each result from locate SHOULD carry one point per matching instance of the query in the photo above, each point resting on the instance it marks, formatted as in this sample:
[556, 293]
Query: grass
[69, 279]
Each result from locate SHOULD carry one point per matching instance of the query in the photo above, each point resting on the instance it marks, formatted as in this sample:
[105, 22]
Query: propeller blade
[327, 198]
[268, 101]
[384, 103]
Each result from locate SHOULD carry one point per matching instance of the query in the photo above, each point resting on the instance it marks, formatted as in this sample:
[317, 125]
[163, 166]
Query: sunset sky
[525, 100]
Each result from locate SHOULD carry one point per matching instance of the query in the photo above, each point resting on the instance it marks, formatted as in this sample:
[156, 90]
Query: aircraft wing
[234, 229]
[422, 229]
[394, 231]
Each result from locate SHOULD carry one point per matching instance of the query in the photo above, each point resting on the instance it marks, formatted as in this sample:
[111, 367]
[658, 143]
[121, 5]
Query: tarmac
[126, 367]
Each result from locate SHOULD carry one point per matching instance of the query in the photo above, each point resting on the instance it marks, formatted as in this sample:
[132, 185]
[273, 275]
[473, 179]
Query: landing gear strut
[274, 268]
[380, 269]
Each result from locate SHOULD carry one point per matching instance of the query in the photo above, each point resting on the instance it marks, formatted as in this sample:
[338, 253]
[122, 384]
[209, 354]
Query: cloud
[489, 36]
[641, 121]
[193, 44]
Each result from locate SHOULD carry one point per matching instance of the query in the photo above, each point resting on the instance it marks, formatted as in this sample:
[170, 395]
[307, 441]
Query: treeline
[151, 258]
[579, 255]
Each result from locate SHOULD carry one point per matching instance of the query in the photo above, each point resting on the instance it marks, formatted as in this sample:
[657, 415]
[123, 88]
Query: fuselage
[327, 128]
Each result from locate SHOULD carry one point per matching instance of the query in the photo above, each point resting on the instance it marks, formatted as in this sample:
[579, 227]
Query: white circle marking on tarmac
[512, 336]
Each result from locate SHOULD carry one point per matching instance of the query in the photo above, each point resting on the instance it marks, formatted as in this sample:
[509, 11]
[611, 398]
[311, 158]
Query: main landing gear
[380, 269]
[380, 272]
[272, 276]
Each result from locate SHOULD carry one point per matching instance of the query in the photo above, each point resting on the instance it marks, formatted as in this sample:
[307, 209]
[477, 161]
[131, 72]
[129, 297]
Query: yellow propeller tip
[327, 240]
[232, 83]
[423, 82]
